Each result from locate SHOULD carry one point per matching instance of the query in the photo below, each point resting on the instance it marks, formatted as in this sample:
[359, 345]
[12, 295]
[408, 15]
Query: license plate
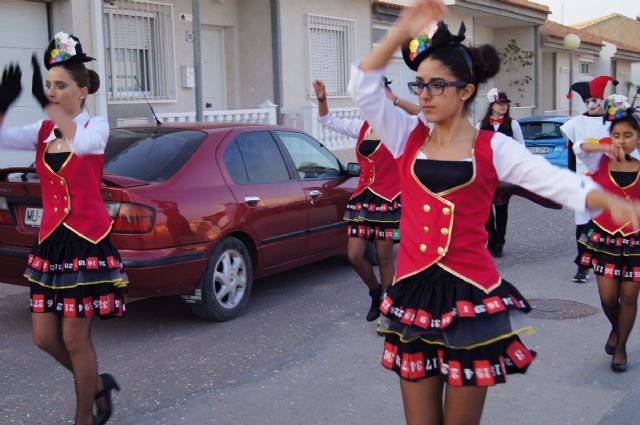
[538, 149]
[33, 216]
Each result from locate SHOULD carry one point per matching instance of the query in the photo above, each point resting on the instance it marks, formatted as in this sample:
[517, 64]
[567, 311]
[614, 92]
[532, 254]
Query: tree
[516, 60]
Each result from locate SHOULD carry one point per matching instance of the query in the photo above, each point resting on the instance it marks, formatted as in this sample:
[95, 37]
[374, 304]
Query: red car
[201, 209]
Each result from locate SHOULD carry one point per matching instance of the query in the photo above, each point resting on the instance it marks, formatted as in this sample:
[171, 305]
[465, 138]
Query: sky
[583, 10]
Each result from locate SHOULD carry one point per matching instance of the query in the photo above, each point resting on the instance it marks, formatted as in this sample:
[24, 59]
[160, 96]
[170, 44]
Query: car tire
[227, 282]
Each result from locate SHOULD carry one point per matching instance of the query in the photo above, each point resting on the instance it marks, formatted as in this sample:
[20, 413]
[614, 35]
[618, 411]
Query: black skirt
[72, 277]
[372, 217]
[437, 324]
[613, 256]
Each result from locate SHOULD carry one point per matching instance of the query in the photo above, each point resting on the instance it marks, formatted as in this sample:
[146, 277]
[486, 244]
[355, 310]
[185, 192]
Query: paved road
[303, 353]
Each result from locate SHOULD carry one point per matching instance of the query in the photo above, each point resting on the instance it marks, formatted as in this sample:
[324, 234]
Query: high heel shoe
[108, 384]
[374, 310]
[619, 367]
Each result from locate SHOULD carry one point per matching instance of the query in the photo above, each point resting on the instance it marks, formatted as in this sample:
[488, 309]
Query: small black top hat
[64, 48]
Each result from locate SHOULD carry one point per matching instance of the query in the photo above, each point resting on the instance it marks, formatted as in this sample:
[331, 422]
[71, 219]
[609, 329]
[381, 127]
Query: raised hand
[37, 88]
[417, 17]
[10, 87]
[320, 89]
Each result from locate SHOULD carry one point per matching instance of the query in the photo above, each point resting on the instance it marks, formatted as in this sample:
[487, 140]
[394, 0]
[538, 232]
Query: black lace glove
[10, 86]
[37, 87]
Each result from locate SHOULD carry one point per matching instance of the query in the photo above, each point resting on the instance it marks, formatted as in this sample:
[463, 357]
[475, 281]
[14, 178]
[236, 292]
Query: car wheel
[227, 282]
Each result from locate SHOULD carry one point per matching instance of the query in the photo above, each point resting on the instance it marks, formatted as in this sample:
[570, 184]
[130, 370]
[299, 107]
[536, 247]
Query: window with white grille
[331, 51]
[139, 51]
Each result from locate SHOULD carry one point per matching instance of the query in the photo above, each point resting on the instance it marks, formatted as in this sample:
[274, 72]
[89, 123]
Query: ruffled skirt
[437, 324]
[72, 277]
[610, 255]
[372, 217]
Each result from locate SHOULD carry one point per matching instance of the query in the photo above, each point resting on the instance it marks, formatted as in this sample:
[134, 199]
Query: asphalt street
[303, 354]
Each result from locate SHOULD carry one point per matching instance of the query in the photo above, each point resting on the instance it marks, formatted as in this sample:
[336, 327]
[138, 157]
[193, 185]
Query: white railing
[554, 112]
[266, 114]
[306, 118]
[518, 112]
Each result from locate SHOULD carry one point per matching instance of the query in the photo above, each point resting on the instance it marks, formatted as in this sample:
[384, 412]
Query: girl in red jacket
[373, 212]
[452, 324]
[74, 272]
[611, 249]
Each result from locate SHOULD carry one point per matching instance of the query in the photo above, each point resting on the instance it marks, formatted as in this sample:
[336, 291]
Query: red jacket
[604, 179]
[447, 228]
[378, 171]
[72, 196]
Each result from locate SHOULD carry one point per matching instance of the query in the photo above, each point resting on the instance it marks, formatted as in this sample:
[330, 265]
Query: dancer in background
[373, 211]
[74, 272]
[611, 249]
[581, 127]
[497, 118]
[452, 324]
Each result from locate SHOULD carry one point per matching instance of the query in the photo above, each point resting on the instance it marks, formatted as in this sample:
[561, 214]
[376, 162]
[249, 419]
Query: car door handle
[314, 193]
[252, 201]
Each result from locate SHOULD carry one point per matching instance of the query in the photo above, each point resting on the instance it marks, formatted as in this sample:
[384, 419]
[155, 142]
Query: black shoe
[374, 310]
[497, 250]
[108, 384]
[619, 367]
[581, 275]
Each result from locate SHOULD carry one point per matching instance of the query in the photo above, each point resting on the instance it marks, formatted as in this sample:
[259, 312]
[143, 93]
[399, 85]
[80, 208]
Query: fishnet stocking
[68, 340]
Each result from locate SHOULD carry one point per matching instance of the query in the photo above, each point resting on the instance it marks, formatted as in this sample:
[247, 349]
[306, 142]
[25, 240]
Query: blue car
[542, 136]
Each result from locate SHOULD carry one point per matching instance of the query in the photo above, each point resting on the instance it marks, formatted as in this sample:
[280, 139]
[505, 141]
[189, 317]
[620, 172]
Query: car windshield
[150, 154]
[537, 130]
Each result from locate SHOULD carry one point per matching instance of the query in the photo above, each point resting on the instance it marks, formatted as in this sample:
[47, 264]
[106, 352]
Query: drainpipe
[197, 58]
[277, 56]
[100, 97]
[537, 66]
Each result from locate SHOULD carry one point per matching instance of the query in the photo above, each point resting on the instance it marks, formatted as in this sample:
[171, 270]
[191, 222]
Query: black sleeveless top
[438, 176]
[367, 147]
[56, 160]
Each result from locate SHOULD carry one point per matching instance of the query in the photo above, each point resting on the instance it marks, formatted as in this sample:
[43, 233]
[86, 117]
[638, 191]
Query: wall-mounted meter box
[188, 76]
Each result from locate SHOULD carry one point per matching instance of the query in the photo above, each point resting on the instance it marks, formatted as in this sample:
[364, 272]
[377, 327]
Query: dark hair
[485, 64]
[82, 76]
[506, 123]
[629, 119]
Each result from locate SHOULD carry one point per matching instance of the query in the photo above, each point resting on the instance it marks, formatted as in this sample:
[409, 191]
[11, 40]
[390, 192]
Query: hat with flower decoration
[64, 48]
[417, 49]
[617, 107]
[494, 95]
[593, 88]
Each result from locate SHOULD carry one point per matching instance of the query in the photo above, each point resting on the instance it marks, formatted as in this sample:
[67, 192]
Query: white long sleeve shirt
[91, 137]
[350, 127]
[512, 161]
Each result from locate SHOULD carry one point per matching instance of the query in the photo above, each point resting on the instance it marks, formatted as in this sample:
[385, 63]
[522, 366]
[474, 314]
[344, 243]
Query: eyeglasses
[434, 88]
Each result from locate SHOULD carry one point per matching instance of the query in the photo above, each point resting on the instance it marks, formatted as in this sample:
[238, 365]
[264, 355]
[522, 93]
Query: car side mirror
[353, 169]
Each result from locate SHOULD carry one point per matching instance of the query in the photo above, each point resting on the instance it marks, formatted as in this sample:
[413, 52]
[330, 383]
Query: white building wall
[524, 37]
[295, 58]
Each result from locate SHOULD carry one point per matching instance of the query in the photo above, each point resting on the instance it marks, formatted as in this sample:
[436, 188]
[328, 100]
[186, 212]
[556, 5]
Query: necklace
[59, 144]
